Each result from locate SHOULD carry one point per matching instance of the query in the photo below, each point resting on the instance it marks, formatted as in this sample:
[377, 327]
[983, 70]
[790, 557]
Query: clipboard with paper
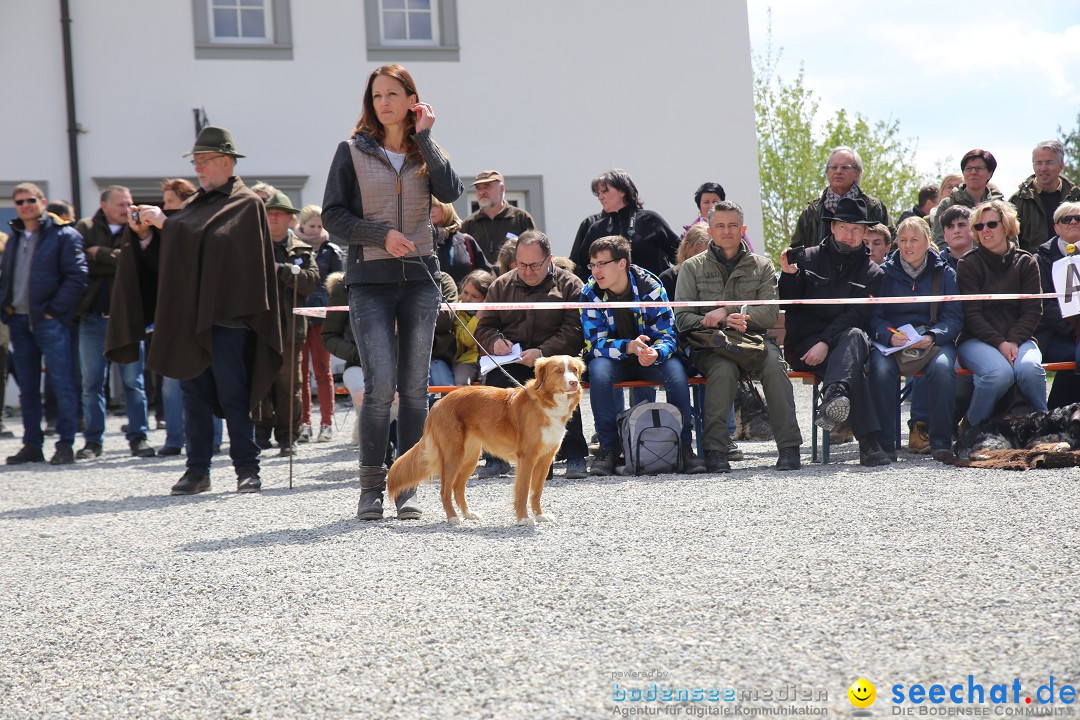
[913, 337]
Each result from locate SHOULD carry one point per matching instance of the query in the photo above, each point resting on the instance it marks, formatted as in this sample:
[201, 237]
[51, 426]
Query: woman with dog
[378, 200]
[915, 268]
[997, 344]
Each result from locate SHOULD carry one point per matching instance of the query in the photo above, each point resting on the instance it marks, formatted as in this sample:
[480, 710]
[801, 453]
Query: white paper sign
[1066, 275]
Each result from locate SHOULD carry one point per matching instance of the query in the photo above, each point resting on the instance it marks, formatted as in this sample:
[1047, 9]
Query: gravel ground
[119, 601]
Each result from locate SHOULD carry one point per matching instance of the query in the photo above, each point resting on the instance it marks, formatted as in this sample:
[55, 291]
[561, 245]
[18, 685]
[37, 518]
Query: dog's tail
[409, 470]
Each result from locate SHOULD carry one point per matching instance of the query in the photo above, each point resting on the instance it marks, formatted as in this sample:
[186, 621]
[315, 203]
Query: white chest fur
[555, 419]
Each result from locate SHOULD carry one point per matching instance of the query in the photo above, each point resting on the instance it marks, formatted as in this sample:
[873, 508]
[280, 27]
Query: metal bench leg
[813, 425]
[697, 405]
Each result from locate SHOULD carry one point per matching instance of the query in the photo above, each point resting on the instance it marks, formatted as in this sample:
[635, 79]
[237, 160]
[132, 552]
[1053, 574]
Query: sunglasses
[1069, 219]
[991, 224]
[31, 200]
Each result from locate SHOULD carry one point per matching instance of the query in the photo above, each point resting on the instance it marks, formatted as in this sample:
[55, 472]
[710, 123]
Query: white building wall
[563, 89]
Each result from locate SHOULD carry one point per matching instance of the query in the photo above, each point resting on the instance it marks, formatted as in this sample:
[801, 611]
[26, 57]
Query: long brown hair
[369, 122]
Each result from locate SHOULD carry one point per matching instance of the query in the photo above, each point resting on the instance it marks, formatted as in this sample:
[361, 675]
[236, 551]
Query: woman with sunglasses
[378, 200]
[997, 344]
[1058, 336]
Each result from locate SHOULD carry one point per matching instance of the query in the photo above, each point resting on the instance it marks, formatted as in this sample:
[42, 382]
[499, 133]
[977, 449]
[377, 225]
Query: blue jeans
[402, 367]
[172, 400]
[605, 372]
[994, 376]
[939, 383]
[228, 379]
[49, 339]
[94, 371]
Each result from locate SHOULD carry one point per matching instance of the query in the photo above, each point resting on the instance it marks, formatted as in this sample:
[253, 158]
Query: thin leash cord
[419, 261]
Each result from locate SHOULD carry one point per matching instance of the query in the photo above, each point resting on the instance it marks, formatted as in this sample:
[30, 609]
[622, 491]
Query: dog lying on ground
[1007, 438]
[522, 425]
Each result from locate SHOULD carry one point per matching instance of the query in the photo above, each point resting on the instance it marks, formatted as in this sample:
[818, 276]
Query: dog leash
[419, 261]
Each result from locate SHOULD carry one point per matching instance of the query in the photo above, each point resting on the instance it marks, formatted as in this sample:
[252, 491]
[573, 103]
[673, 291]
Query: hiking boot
[407, 507]
[691, 463]
[944, 455]
[89, 451]
[247, 480]
[26, 454]
[326, 433]
[789, 459]
[166, 451]
[575, 469]
[372, 484]
[140, 448]
[734, 454]
[871, 454]
[834, 407]
[716, 461]
[494, 467]
[305, 434]
[64, 455]
[603, 463]
[191, 482]
[919, 438]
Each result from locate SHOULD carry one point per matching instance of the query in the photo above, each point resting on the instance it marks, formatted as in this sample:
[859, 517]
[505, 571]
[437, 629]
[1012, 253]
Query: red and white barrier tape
[321, 311]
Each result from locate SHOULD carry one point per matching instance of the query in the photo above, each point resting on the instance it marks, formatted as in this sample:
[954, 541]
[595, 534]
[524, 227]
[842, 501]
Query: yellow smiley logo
[862, 693]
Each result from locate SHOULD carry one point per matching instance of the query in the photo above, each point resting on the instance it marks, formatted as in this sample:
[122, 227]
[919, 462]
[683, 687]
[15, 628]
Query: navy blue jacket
[897, 283]
[58, 276]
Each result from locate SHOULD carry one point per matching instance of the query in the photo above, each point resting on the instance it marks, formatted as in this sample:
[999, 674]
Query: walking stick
[295, 269]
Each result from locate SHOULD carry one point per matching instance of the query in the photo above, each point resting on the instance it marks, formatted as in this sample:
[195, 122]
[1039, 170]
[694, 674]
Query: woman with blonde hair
[459, 253]
[997, 344]
[694, 240]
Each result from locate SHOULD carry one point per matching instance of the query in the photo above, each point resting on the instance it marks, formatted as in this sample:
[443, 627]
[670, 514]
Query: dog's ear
[540, 370]
[579, 366]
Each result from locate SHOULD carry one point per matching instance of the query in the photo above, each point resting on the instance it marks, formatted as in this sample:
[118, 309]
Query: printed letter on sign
[1066, 274]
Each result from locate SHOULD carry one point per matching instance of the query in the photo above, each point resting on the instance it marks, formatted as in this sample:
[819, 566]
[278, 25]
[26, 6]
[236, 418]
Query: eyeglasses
[845, 168]
[1046, 163]
[197, 161]
[31, 200]
[992, 224]
[976, 168]
[1069, 219]
[600, 264]
[532, 266]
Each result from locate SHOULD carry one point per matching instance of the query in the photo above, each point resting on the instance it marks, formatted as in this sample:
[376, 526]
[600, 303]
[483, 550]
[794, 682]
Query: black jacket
[827, 273]
[653, 244]
[1052, 325]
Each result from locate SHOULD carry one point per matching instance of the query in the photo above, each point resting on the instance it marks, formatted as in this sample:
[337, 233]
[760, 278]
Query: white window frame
[443, 47]
[433, 41]
[268, 24]
[277, 45]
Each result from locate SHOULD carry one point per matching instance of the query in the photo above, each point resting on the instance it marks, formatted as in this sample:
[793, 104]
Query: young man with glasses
[978, 167]
[540, 333]
[843, 172]
[630, 344]
[42, 278]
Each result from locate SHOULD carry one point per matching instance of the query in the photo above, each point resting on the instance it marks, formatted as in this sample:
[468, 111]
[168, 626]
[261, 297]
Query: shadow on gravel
[155, 502]
[311, 536]
[295, 536]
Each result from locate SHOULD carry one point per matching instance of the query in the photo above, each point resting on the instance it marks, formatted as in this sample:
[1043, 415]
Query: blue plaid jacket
[658, 323]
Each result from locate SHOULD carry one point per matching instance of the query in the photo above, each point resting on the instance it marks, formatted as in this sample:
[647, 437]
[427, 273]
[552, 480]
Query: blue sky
[957, 75]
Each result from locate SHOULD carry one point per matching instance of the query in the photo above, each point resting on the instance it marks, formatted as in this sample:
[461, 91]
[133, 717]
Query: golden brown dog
[525, 426]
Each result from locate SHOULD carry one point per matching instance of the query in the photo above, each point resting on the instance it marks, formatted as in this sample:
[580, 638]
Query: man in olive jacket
[297, 275]
[1041, 194]
[727, 270]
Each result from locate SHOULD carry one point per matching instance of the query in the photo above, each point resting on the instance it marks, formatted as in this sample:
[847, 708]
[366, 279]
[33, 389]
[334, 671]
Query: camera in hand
[135, 216]
[796, 255]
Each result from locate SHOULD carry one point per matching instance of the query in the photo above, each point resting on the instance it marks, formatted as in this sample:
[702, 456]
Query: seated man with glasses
[1057, 336]
[843, 172]
[540, 333]
[630, 344]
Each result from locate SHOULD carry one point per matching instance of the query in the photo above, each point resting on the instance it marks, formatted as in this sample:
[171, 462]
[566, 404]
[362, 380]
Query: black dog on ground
[1059, 427]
